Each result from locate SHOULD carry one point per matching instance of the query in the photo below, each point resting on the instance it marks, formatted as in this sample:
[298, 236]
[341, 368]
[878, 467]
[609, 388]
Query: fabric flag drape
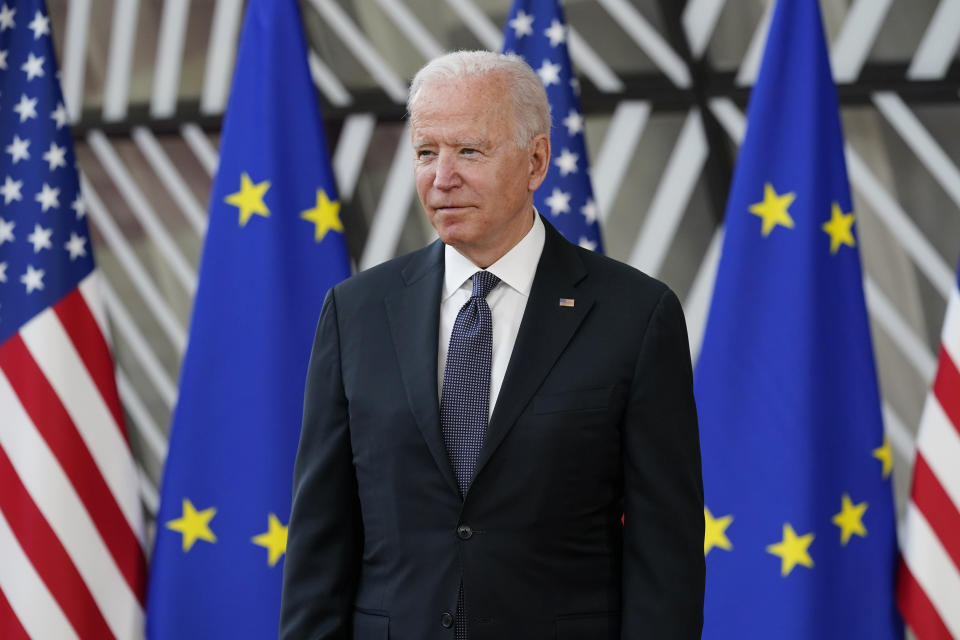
[537, 32]
[928, 589]
[72, 562]
[274, 246]
[800, 523]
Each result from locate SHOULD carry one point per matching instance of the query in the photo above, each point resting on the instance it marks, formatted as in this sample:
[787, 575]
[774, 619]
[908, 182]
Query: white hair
[531, 110]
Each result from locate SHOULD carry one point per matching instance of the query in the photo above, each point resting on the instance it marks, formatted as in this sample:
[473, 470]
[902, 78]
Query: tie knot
[483, 283]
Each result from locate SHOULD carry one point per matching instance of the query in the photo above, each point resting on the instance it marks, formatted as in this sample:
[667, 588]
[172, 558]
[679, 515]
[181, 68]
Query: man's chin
[453, 239]
[452, 230]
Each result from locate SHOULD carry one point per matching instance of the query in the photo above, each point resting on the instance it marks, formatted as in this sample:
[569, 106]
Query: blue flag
[537, 32]
[800, 536]
[274, 246]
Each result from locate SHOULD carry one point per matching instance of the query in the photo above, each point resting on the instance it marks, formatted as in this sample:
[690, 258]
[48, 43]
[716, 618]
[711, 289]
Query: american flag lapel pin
[567, 302]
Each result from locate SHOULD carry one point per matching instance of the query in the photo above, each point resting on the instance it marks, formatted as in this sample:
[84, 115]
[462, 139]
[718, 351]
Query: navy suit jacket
[595, 419]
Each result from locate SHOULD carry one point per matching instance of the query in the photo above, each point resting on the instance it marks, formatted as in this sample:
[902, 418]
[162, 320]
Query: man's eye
[468, 151]
[424, 153]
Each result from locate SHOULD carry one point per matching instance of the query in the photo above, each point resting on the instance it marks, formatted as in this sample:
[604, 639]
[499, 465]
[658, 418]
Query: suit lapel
[414, 315]
[544, 333]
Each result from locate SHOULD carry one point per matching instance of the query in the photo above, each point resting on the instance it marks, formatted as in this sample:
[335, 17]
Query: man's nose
[447, 176]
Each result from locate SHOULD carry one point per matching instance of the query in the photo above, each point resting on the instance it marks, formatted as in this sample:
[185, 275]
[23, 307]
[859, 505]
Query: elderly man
[480, 413]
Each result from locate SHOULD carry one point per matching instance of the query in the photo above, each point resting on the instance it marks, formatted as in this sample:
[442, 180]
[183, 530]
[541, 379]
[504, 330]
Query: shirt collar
[516, 268]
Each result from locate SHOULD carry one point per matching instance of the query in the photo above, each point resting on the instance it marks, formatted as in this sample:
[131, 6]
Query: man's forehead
[472, 111]
[438, 127]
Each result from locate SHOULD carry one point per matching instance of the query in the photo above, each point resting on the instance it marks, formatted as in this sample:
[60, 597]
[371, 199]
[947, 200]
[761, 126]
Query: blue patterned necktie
[465, 399]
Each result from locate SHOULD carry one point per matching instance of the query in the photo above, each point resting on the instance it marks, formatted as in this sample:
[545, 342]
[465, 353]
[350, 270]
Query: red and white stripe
[72, 562]
[929, 583]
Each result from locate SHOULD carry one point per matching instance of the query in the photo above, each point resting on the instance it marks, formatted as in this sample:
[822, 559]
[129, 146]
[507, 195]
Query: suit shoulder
[386, 276]
[618, 276]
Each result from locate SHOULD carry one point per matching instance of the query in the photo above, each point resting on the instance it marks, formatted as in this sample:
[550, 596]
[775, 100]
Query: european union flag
[800, 538]
[537, 32]
[274, 246]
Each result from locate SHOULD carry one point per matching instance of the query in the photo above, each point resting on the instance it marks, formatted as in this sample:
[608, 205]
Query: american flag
[72, 563]
[929, 581]
[537, 32]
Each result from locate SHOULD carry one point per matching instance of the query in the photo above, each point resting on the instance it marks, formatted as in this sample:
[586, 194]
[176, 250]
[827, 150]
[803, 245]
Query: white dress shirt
[507, 301]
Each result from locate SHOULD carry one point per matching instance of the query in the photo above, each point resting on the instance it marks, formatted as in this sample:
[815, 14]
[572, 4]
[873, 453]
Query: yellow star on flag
[839, 228]
[249, 199]
[773, 209]
[715, 532]
[850, 519]
[274, 540]
[193, 525]
[792, 550]
[885, 455]
[325, 216]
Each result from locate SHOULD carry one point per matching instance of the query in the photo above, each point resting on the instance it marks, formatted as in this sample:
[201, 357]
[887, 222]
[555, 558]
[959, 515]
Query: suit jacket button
[446, 620]
[464, 532]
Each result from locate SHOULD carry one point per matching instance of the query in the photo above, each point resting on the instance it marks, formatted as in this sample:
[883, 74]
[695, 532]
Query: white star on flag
[3, 58]
[27, 108]
[587, 243]
[56, 156]
[11, 190]
[573, 122]
[76, 246]
[522, 25]
[59, 115]
[567, 162]
[3, 271]
[6, 230]
[18, 149]
[40, 26]
[32, 279]
[6, 17]
[557, 33]
[559, 202]
[549, 73]
[40, 238]
[79, 206]
[33, 67]
[49, 197]
[589, 211]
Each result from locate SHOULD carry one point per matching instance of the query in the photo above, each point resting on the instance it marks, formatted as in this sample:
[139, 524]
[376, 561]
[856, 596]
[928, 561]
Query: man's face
[475, 184]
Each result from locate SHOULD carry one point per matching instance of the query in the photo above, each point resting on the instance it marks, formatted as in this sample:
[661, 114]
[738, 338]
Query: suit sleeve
[324, 543]
[663, 563]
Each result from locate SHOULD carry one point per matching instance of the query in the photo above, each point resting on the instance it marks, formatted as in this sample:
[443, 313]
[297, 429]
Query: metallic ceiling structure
[664, 85]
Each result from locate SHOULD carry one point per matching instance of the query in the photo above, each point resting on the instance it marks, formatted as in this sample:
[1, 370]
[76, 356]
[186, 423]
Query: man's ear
[539, 160]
